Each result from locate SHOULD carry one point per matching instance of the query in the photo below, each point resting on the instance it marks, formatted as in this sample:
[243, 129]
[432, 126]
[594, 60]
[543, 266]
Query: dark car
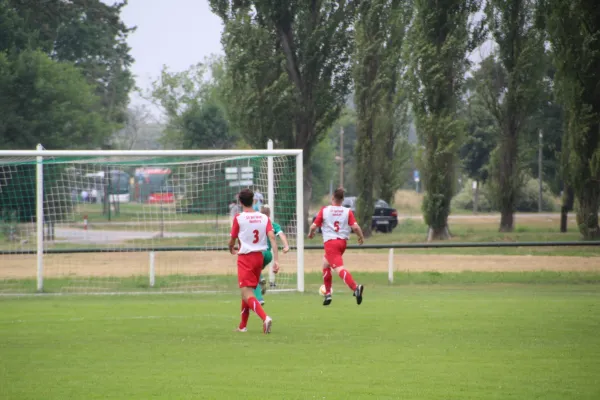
[385, 218]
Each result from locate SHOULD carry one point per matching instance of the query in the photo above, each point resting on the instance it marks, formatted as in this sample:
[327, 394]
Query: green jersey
[276, 231]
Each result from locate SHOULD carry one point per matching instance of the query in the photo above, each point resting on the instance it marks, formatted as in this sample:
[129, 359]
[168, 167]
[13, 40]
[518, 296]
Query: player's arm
[275, 251]
[232, 241]
[279, 233]
[235, 231]
[317, 223]
[286, 246]
[355, 227]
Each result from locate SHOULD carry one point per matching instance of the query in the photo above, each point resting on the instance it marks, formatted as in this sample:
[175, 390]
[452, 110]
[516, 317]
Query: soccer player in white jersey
[251, 229]
[336, 223]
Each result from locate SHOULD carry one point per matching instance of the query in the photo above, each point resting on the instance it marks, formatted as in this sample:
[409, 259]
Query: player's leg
[258, 295]
[242, 327]
[248, 276]
[327, 281]
[267, 258]
[338, 249]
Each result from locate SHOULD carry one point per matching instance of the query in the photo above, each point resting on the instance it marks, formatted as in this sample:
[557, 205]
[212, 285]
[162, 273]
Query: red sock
[245, 315]
[257, 308]
[327, 280]
[347, 278]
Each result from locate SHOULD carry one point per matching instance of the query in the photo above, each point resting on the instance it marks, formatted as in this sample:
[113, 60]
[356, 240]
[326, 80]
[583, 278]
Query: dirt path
[195, 263]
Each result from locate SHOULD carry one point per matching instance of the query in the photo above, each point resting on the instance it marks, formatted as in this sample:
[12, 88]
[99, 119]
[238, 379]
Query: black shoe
[327, 300]
[272, 284]
[358, 294]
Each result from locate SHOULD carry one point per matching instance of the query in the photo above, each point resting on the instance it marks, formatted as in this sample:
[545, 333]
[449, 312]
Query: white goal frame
[40, 153]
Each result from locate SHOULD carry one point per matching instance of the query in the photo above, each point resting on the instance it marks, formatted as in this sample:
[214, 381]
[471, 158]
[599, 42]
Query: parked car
[385, 218]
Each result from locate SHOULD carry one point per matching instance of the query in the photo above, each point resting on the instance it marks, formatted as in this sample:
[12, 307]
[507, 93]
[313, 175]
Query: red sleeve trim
[351, 219]
[235, 228]
[319, 220]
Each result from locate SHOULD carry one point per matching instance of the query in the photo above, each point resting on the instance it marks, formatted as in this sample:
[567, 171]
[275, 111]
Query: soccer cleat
[241, 330]
[263, 286]
[327, 300]
[267, 325]
[262, 302]
[272, 284]
[358, 294]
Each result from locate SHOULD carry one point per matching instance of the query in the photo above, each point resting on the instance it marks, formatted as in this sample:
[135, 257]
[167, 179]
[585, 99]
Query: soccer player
[268, 256]
[336, 222]
[251, 229]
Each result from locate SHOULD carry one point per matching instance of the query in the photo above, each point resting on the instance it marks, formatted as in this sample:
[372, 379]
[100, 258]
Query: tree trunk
[438, 234]
[506, 220]
[303, 133]
[564, 213]
[508, 179]
[587, 214]
[476, 197]
[567, 205]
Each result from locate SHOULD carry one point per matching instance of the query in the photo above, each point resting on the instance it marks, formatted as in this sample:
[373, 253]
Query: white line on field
[123, 318]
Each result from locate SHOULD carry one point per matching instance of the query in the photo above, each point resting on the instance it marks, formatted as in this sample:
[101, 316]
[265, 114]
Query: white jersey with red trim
[335, 222]
[251, 228]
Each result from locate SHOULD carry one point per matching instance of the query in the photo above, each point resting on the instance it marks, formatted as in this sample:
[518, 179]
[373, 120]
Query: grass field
[441, 341]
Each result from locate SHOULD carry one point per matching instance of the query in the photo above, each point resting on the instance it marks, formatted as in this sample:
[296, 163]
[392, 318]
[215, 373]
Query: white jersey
[335, 222]
[251, 228]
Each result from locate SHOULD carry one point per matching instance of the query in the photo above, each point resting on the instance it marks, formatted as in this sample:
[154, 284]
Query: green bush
[464, 199]
[526, 202]
[529, 194]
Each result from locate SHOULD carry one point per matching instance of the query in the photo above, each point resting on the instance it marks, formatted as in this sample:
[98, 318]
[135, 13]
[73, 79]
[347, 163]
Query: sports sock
[327, 279]
[258, 293]
[347, 278]
[245, 315]
[257, 308]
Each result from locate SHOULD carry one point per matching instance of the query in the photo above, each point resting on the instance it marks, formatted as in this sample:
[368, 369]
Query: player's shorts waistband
[329, 240]
[252, 252]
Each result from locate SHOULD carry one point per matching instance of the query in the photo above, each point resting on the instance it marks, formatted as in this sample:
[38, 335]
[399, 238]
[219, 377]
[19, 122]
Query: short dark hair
[246, 197]
[339, 194]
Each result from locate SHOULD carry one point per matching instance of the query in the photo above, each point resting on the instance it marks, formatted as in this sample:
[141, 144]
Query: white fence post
[391, 266]
[152, 276]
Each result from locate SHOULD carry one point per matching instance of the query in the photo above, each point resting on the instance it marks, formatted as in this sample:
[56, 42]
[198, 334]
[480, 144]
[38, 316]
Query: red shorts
[334, 250]
[249, 269]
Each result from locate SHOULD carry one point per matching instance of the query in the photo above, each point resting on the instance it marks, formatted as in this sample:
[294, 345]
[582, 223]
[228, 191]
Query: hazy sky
[177, 33]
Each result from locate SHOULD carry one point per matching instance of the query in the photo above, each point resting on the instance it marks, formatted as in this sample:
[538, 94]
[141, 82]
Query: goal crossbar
[148, 153]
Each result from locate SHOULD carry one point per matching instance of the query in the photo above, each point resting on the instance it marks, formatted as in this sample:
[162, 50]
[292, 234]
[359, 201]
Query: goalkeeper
[267, 255]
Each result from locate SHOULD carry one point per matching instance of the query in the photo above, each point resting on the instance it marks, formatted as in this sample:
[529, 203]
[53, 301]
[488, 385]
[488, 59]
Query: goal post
[96, 221]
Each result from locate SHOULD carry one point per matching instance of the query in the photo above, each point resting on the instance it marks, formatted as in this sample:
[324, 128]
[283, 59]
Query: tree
[88, 34]
[48, 102]
[573, 29]
[299, 53]
[549, 120]
[370, 37]
[482, 134]
[393, 119]
[438, 43]
[513, 99]
[205, 127]
[380, 101]
[132, 134]
[192, 107]
[347, 122]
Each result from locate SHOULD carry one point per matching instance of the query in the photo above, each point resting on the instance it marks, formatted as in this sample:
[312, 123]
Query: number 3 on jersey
[256, 238]
[336, 226]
